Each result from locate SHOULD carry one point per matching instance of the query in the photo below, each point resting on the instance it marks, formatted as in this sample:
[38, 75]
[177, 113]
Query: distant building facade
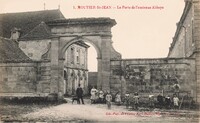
[75, 68]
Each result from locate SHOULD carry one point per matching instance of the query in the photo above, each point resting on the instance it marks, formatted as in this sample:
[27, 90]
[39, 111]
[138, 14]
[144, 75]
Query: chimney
[15, 33]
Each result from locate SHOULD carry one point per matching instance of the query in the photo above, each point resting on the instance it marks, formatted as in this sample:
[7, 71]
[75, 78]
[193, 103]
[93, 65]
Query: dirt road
[88, 112]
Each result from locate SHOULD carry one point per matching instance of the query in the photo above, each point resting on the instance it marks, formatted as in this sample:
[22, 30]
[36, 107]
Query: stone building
[25, 56]
[183, 44]
[54, 57]
[186, 42]
[75, 68]
[17, 71]
[56, 52]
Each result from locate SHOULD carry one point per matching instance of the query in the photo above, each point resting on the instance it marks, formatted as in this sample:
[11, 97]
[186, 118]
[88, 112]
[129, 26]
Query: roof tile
[10, 52]
[26, 21]
[41, 31]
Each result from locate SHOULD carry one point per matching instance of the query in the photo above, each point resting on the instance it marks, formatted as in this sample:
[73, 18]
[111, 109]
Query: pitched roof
[81, 43]
[82, 21]
[41, 31]
[10, 52]
[26, 21]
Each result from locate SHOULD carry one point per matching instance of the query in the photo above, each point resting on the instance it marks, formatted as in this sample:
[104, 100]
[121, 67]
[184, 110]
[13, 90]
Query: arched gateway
[96, 31]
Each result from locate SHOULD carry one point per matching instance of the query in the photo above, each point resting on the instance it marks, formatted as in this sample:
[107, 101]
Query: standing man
[79, 93]
[160, 100]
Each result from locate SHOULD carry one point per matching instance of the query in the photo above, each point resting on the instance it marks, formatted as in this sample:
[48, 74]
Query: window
[65, 75]
[192, 32]
[83, 58]
[72, 55]
[78, 56]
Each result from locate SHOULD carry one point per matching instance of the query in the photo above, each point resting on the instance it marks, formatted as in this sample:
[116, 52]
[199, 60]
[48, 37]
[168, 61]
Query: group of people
[167, 101]
[161, 101]
[133, 101]
[99, 96]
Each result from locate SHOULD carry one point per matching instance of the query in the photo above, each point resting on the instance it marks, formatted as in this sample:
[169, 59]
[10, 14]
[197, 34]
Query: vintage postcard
[100, 61]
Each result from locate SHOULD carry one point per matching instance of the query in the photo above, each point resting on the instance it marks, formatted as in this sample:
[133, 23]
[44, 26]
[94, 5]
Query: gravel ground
[96, 112]
[99, 112]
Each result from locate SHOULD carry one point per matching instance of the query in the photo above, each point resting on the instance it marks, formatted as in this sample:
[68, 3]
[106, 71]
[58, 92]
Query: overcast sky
[139, 33]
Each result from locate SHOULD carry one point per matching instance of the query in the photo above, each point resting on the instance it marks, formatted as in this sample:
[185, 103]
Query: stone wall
[18, 78]
[43, 77]
[92, 79]
[153, 75]
[34, 49]
[196, 6]
[25, 79]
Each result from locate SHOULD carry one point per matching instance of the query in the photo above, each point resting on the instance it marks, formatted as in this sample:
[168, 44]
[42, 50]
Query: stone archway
[96, 31]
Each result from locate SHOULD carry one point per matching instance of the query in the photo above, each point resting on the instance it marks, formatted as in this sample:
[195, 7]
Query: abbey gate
[116, 74]
[96, 31]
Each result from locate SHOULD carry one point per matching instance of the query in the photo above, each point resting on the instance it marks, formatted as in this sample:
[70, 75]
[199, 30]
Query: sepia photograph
[81, 61]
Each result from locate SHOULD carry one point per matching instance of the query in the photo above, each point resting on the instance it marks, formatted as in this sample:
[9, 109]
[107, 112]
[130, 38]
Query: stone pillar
[54, 65]
[105, 62]
[61, 77]
[123, 84]
[196, 38]
[99, 77]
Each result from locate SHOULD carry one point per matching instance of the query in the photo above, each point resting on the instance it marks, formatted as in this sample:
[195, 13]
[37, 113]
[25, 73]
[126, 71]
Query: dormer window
[15, 34]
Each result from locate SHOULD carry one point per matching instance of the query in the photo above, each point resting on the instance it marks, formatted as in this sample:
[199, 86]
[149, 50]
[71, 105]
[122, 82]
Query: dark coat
[79, 92]
[160, 99]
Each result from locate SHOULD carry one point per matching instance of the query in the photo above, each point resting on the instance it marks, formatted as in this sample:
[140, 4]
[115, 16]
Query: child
[118, 99]
[167, 101]
[151, 100]
[108, 100]
[93, 96]
[175, 100]
[101, 96]
[136, 100]
[127, 99]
